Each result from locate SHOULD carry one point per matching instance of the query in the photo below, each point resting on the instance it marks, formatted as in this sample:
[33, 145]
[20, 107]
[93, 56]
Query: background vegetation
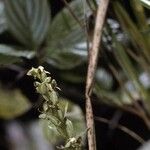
[55, 34]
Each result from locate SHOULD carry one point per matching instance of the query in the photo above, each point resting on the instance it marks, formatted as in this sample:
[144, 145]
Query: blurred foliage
[10, 55]
[64, 49]
[12, 103]
[131, 48]
[60, 42]
[146, 3]
[29, 23]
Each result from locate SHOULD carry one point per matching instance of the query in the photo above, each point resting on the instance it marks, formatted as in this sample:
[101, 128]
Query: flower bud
[45, 107]
[42, 116]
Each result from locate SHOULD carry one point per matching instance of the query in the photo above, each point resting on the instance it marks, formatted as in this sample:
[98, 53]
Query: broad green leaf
[10, 55]
[64, 30]
[12, 103]
[28, 20]
[65, 60]
[7, 50]
[64, 37]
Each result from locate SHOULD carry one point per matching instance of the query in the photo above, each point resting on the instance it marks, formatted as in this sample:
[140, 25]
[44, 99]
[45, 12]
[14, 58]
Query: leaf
[12, 103]
[126, 63]
[28, 20]
[108, 97]
[6, 59]
[9, 55]
[6, 50]
[128, 68]
[74, 112]
[65, 60]
[115, 98]
[63, 49]
[60, 114]
[53, 120]
[50, 131]
[134, 34]
[54, 97]
[139, 13]
[3, 25]
[69, 128]
[146, 3]
[66, 109]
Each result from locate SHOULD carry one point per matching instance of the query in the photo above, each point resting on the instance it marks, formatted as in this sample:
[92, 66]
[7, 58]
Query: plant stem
[93, 55]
